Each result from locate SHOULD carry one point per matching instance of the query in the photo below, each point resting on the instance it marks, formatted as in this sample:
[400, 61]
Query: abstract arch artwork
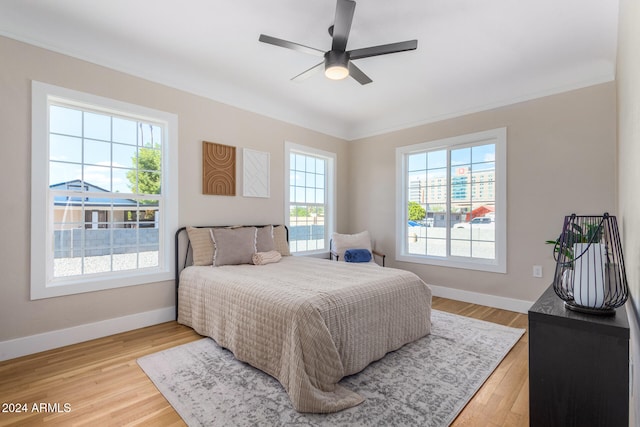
[218, 169]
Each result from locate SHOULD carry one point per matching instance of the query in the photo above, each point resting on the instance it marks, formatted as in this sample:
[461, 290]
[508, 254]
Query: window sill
[80, 285]
[478, 265]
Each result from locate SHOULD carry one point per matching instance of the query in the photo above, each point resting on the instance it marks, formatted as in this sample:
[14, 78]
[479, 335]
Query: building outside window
[452, 202]
[309, 195]
[101, 186]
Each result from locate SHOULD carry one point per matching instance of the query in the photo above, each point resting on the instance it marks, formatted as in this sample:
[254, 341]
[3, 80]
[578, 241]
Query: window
[104, 193]
[451, 202]
[309, 196]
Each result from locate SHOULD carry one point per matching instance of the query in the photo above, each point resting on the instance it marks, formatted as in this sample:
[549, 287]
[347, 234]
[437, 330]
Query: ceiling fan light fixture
[337, 72]
[336, 65]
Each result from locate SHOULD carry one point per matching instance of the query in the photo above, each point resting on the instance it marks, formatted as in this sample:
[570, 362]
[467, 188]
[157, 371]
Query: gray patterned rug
[424, 383]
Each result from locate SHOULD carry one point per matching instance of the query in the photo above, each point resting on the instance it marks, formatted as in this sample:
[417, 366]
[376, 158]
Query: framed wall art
[255, 182]
[218, 169]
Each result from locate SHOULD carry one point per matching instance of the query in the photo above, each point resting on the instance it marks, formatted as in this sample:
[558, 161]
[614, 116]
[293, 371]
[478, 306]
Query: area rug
[425, 383]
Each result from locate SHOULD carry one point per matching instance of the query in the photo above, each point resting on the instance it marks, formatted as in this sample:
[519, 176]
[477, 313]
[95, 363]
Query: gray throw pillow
[264, 242]
[233, 246]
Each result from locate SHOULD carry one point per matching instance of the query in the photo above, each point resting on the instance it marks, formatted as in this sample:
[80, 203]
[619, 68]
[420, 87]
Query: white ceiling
[472, 54]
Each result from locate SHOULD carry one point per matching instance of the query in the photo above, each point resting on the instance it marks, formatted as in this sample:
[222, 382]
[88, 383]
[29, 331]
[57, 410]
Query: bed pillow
[280, 240]
[233, 246]
[201, 245]
[264, 241]
[262, 258]
[341, 242]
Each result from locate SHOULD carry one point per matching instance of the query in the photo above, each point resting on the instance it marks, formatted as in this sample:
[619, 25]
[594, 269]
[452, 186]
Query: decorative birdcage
[590, 276]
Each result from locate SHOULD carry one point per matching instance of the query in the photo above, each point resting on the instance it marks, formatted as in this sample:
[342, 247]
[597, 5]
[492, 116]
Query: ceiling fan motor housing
[336, 64]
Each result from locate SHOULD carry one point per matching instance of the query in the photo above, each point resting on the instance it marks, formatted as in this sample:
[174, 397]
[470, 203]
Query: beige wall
[199, 119]
[628, 79]
[560, 159]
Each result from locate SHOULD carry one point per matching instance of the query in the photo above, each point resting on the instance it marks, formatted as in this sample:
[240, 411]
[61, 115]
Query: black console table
[578, 366]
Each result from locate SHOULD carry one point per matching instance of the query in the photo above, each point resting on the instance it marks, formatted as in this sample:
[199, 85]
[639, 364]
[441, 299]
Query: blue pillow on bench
[357, 255]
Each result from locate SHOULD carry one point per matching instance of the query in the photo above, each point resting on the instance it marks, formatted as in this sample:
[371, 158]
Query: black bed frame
[185, 263]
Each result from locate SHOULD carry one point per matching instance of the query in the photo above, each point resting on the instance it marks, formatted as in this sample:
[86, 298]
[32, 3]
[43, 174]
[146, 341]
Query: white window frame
[330, 188]
[43, 285]
[497, 265]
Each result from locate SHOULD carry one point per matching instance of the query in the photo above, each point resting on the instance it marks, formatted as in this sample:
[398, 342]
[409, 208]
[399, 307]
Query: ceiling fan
[338, 61]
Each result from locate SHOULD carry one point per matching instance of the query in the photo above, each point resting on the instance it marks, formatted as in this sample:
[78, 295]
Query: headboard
[184, 253]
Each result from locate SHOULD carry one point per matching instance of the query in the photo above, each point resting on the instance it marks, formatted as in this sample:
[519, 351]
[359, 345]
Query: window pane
[65, 265]
[437, 176]
[149, 182]
[299, 179]
[149, 159]
[125, 156]
[127, 259]
[310, 165]
[437, 247]
[460, 248]
[125, 131]
[97, 126]
[460, 156]
[310, 179]
[65, 148]
[483, 153]
[148, 136]
[417, 162]
[97, 152]
[460, 184]
[157, 137]
[310, 195]
[99, 176]
[148, 257]
[63, 172]
[484, 250]
[65, 121]
[416, 240]
[124, 180]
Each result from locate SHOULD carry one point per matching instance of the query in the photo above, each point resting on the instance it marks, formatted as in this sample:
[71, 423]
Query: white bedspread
[307, 322]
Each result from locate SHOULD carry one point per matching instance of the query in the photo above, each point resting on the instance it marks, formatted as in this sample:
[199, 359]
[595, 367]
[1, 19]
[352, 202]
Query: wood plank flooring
[101, 384]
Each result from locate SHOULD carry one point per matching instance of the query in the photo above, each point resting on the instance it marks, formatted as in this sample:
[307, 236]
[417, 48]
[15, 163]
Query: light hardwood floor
[101, 383]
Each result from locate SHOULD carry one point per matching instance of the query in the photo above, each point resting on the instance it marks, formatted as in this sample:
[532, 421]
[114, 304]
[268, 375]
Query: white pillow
[341, 242]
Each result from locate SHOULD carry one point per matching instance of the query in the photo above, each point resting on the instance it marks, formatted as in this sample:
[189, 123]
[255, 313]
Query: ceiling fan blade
[342, 24]
[308, 73]
[358, 75]
[383, 49]
[290, 45]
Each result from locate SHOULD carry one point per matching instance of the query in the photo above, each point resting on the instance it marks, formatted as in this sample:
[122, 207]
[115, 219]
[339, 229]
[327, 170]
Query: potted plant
[582, 256]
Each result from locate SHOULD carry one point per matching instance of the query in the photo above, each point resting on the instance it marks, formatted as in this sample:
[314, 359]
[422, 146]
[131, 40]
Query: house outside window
[104, 193]
[451, 202]
[309, 198]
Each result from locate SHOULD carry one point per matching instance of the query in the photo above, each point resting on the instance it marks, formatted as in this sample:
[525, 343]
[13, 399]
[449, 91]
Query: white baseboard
[18, 347]
[511, 304]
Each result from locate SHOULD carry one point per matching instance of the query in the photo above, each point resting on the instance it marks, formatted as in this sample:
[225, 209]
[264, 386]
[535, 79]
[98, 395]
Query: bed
[307, 322]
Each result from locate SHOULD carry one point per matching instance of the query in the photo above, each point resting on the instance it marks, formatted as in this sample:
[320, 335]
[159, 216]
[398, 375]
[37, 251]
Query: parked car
[428, 222]
[478, 222]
